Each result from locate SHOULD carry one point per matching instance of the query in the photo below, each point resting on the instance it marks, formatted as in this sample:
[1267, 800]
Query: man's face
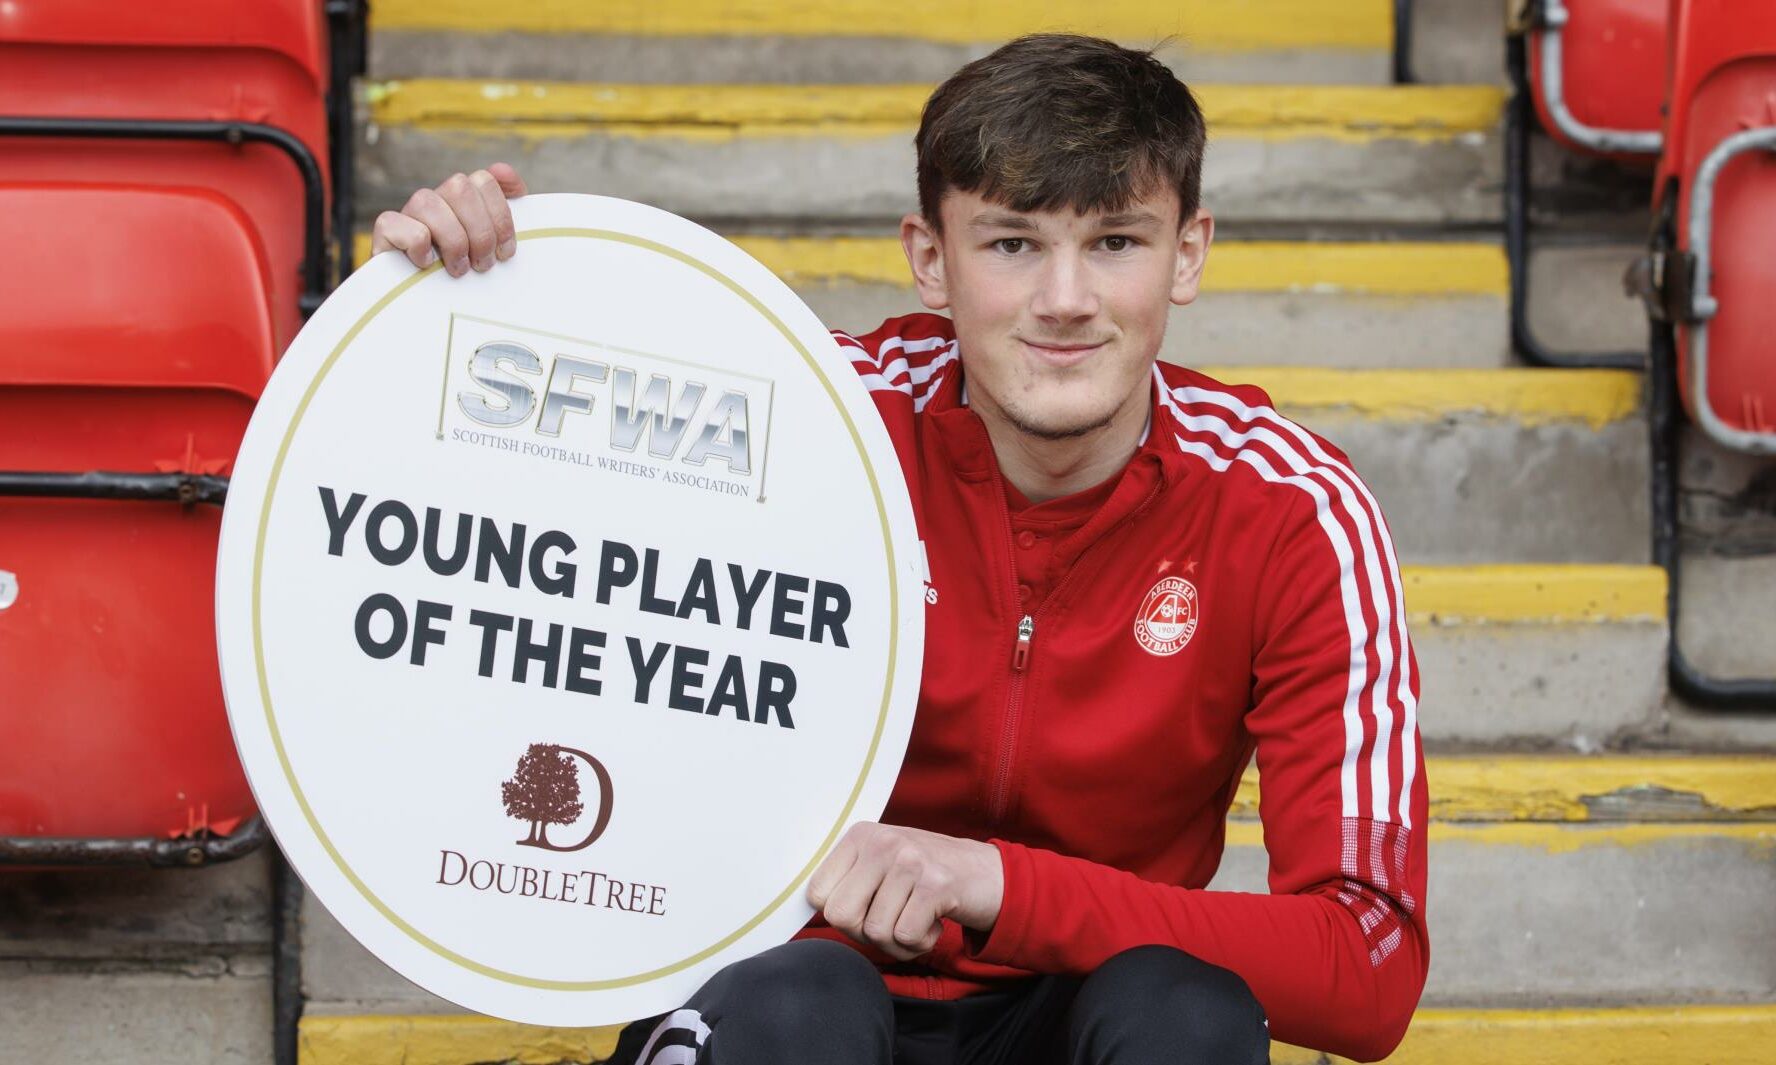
[1059, 315]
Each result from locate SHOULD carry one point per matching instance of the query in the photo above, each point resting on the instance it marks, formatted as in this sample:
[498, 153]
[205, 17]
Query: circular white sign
[568, 613]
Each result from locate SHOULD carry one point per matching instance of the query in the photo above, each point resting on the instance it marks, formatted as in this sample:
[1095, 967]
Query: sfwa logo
[576, 400]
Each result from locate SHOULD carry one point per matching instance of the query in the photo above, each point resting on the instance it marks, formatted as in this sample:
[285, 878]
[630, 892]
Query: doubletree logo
[545, 790]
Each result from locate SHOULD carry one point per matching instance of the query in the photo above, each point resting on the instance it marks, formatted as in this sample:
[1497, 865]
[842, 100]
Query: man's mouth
[1062, 352]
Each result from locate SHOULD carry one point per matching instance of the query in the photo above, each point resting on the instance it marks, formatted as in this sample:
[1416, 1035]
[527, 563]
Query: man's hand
[465, 222]
[887, 886]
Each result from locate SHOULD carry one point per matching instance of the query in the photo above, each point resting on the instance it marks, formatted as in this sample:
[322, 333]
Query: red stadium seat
[136, 342]
[261, 62]
[1716, 183]
[1597, 70]
[1707, 280]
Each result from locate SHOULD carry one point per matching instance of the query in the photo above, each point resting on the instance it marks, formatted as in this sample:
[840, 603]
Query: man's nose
[1066, 293]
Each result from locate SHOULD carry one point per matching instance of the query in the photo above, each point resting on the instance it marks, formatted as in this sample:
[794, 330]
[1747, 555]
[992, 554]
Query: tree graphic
[544, 790]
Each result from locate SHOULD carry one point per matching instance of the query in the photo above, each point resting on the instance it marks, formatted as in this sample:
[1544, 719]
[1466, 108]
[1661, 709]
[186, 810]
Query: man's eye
[1009, 245]
[1117, 243]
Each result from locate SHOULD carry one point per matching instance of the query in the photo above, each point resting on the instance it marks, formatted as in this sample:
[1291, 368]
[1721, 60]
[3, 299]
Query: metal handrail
[347, 25]
[102, 484]
[1402, 71]
[147, 852]
[1703, 305]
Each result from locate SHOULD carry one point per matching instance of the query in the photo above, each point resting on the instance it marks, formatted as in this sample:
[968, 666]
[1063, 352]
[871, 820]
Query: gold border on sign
[265, 687]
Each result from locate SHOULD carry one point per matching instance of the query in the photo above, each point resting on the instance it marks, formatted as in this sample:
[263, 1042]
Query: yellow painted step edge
[1641, 1035]
[1204, 25]
[1557, 838]
[445, 1039]
[1332, 268]
[1524, 395]
[1566, 788]
[1557, 593]
[555, 109]
[1357, 268]
[1646, 1035]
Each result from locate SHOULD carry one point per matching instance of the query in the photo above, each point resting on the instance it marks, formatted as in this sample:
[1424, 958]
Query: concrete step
[1618, 850]
[1654, 1035]
[1729, 503]
[1544, 914]
[1569, 657]
[1576, 300]
[162, 965]
[1458, 42]
[855, 40]
[1502, 465]
[1727, 515]
[1453, 41]
[63, 1014]
[789, 154]
[141, 914]
[1583, 789]
[1573, 657]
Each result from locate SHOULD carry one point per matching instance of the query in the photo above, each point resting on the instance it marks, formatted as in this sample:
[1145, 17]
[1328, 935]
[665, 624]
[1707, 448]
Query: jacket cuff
[1001, 945]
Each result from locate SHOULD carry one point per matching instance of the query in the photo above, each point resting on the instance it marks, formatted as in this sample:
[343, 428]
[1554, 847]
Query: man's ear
[924, 252]
[1193, 254]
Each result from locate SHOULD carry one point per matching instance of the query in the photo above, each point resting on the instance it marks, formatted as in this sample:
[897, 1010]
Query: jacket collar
[1156, 467]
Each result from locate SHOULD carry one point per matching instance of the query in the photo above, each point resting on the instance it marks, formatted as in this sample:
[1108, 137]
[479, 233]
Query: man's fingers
[465, 222]
[395, 231]
[919, 925]
[850, 901]
[885, 909]
[446, 229]
[505, 235]
[509, 182]
[831, 871]
[471, 210]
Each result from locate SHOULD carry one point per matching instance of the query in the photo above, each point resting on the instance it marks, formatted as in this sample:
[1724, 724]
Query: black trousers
[817, 1002]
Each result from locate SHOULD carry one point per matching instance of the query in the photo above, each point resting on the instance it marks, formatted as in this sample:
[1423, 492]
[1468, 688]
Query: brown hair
[1052, 120]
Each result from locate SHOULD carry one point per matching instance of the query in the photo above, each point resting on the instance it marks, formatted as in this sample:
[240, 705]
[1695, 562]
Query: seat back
[263, 62]
[293, 29]
[1717, 179]
[1596, 74]
[138, 342]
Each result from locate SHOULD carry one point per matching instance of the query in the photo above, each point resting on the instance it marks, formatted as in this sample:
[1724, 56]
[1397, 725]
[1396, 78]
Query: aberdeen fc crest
[1167, 618]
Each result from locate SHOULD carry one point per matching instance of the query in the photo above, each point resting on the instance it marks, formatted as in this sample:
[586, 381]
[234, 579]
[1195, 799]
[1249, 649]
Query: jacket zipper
[1020, 657]
[1021, 650]
[1014, 705]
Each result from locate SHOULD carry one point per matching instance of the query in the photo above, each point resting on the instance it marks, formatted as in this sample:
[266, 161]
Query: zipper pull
[1026, 632]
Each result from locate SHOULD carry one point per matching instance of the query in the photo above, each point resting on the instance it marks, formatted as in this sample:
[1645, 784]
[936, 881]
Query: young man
[1140, 576]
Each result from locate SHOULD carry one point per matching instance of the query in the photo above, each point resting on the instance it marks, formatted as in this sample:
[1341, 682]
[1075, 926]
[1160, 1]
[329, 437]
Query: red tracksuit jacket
[1236, 592]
